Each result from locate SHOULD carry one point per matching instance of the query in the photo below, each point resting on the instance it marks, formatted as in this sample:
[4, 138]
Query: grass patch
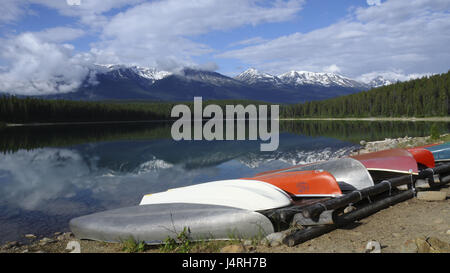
[182, 243]
[445, 138]
[131, 246]
[435, 132]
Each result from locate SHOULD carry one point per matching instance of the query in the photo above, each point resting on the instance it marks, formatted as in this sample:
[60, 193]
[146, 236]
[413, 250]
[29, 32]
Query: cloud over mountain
[37, 67]
[156, 33]
[407, 36]
[400, 38]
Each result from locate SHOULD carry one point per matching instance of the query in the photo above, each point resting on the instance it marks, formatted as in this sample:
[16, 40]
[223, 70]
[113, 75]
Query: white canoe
[244, 194]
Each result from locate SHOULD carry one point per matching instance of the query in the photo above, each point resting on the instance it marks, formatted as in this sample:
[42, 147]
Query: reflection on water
[49, 175]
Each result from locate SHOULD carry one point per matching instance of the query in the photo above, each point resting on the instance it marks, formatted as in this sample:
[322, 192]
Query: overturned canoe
[423, 157]
[317, 183]
[395, 160]
[441, 152]
[388, 163]
[244, 194]
[349, 173]
[429, 145]
[153, 224]
[383, 154]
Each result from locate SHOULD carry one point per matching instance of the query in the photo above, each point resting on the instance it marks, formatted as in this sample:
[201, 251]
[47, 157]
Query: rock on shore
[392, 143]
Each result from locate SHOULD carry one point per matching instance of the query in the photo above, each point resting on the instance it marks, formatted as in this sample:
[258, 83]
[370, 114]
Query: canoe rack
[323, 216]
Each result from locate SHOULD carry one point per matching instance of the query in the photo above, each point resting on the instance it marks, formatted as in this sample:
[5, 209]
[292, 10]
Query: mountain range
[120, 82]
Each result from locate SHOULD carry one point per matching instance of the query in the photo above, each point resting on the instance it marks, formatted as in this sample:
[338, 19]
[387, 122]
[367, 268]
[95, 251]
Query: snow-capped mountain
[300, 78]
[316, 78]
[106, 82]
[122, 71]
[253, 76]
[208, 77]
[380, 81]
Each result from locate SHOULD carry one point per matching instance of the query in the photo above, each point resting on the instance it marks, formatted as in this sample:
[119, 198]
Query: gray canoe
[349, 173]
[154, 223]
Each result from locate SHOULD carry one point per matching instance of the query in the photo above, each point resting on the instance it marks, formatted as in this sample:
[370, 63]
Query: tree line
[30, 110]
[34, 110]
[424, 97]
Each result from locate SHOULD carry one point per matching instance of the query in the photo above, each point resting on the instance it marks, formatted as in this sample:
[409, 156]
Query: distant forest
[425, 97]
[33, 110]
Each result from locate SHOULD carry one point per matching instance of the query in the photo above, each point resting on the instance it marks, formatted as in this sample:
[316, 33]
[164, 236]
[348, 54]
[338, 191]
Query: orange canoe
[303, 183]
[349, 173]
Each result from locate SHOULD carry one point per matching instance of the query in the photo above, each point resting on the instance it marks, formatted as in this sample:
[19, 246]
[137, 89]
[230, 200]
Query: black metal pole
[312, 232]
[315, 210]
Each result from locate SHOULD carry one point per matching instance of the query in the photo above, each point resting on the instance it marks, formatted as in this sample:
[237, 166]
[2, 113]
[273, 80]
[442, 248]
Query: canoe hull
[396, 164]
[244, 194]
[423, 157]
[348, 172]
[153, 224]
[441, 152]
[304, 183]
[388, 163]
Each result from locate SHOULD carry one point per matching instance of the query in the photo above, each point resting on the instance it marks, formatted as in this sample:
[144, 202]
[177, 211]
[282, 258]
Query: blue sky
[314, 14]
[46, 41]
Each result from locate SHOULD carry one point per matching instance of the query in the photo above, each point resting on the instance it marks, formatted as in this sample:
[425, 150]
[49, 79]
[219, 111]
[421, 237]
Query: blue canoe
[440, 152]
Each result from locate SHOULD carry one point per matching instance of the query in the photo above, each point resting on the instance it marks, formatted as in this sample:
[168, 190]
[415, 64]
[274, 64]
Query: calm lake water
[51, 174]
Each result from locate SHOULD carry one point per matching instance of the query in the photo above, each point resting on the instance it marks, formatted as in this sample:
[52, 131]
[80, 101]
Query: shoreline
[404, 227]
[81, 123]
[411, 119]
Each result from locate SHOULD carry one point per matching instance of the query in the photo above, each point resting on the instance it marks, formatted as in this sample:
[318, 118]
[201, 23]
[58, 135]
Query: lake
[51, 174]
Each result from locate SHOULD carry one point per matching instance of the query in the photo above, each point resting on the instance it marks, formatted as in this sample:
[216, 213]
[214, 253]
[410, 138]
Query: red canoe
[423, 157]
[303, 183]
[389, 163]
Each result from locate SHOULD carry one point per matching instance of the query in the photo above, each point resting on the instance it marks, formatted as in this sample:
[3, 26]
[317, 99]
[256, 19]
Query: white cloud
[90, 12]
[398, 38]
[250, 41]
[411, 36]
[152, 31]
[59, 34]
[157, 33]
[393, 76]
[37, 67]
[373, 2]
[41, 175]
[332, 69]
[73, 2]
[43, 179]
[10, 11]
